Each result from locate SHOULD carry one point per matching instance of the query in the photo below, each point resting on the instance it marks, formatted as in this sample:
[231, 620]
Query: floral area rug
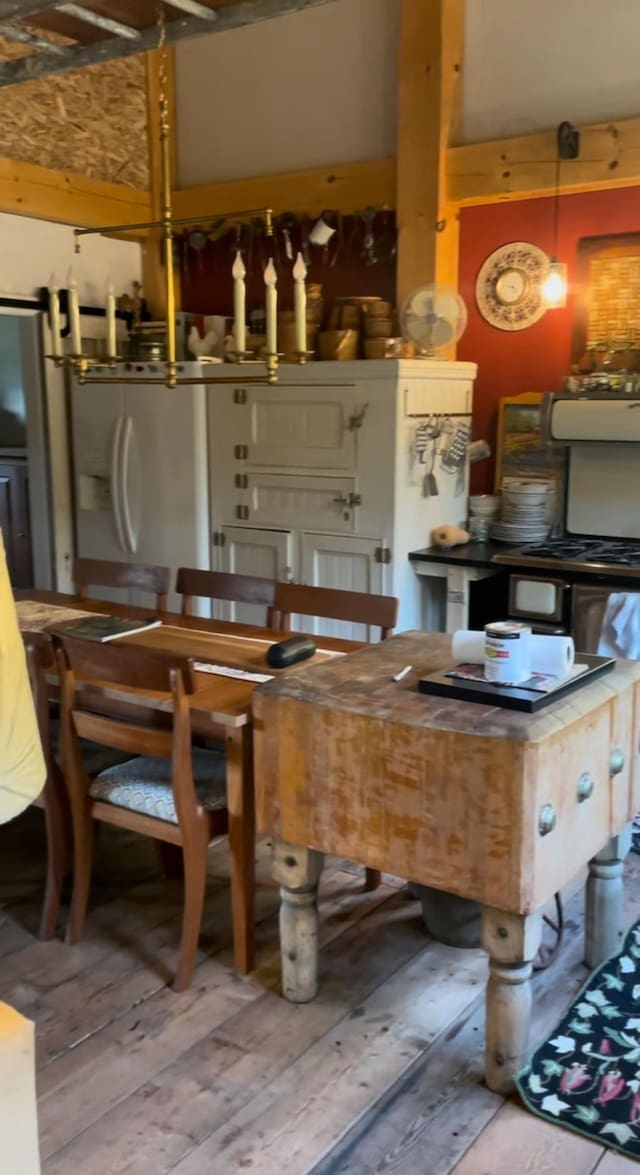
[586, 1077]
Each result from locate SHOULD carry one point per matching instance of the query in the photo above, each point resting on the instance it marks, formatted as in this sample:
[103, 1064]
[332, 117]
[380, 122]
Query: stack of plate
[525, 511]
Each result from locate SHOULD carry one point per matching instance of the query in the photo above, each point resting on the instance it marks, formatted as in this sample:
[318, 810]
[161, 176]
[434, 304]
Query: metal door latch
[355, 421]
[348, 500]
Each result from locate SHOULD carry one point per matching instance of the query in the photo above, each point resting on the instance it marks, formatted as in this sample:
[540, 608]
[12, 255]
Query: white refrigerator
[140, 473]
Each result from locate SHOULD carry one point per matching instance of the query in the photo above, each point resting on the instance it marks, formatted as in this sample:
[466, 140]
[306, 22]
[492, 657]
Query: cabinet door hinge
[241, 452]
[219, 538]
[241, 481]
[242, 513]
[382, 555]
[239, 395]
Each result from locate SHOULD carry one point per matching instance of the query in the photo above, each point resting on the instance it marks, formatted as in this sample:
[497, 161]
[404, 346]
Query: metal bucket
[449, 919]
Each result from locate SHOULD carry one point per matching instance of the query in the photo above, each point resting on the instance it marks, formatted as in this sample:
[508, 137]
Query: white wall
[529, 64]
[31, 250]
[299, 91]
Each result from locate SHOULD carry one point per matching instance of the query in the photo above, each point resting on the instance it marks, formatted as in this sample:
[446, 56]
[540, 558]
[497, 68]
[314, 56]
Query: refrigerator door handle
[131, 538]
[115, 482]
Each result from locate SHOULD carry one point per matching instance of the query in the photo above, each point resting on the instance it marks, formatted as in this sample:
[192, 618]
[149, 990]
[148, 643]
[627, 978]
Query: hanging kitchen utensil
[353, 235]
[426, 445]
[287, 225]
[185, 253]
[304, 240]
[368, 254]
[197, 241]
[388, 238]
[217, 229]
[455, 459]
[339, 239]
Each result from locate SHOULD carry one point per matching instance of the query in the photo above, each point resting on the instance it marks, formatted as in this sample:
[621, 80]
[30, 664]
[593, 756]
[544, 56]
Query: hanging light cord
[556, 209]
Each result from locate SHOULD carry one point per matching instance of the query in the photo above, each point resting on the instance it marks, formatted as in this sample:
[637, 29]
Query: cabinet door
[247, 550]
[335, 561]
[301, 427]
[15, 522]
[285, 499]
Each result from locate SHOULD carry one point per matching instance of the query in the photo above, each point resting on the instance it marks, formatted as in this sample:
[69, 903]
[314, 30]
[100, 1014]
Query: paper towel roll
[549, 654]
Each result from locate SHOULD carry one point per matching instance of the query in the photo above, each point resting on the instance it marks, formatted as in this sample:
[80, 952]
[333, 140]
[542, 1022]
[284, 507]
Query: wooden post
[153, 281]
[512, 941]
[298, 870]
[604, 923]
[429, 67]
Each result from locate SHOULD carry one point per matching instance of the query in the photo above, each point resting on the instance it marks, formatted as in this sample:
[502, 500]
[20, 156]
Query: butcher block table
[489, 804]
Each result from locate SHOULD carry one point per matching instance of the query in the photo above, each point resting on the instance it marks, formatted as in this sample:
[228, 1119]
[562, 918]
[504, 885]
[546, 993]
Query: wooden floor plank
[516, 1141]
[614, 1164]
[289, 1126]
[266, 1037]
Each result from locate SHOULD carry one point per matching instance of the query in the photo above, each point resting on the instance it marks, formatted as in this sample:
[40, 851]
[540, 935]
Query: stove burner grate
[587, 551]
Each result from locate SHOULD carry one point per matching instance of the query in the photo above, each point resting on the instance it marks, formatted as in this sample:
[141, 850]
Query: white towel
[620, 633]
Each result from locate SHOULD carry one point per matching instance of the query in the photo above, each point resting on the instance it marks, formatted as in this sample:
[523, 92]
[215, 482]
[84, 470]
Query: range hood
[568, 419]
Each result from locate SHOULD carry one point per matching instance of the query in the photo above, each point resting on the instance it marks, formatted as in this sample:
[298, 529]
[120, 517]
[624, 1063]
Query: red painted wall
[536, 359]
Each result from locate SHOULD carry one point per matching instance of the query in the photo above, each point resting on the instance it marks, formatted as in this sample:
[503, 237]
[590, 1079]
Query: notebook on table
[107, 628]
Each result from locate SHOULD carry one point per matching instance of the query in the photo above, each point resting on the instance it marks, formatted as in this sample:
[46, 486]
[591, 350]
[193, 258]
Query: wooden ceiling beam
[15, 32]
[346, 187]
[105, 23]
[30, 190]
[518, 168]
[429, 67]
[233, 16]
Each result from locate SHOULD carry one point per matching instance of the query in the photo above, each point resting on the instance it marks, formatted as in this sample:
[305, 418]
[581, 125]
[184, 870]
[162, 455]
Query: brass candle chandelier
[89, 369]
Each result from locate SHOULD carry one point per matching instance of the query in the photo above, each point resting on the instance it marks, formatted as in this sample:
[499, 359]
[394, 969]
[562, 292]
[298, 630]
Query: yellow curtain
[22, 769]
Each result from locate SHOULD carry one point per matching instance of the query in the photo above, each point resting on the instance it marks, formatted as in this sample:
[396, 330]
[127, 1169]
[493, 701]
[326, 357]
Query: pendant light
[554, 286]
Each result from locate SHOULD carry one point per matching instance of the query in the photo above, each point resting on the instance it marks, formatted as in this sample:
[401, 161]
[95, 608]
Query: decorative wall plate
[508, 286]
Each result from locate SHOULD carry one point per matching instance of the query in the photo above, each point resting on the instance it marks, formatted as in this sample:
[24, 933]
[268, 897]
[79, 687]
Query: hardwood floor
[381, 1075]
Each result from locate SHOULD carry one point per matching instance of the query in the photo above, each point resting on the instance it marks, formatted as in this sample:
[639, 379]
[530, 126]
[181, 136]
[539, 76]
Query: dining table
[230, 661]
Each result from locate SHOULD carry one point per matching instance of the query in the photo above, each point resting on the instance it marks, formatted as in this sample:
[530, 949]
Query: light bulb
[554, 286]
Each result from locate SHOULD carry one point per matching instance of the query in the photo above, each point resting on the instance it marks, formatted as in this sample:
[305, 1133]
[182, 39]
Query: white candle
[112, 347]
[54, 317]
[239, 303]
[271, 306]
[300, 303]
[74, 314]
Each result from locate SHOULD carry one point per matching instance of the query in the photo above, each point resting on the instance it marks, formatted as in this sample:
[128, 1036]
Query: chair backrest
[123, 667]
[221, 585]
[334, 604]
[40, 661]
[143, 577]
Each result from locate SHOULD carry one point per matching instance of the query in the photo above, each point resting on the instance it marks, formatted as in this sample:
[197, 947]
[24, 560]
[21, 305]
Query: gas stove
[595, 556]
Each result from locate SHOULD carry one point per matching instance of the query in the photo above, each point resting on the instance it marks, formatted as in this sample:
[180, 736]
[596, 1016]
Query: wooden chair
[53, 797]
[88, 573]
[333, 604]
[169, 791]
[221, 585]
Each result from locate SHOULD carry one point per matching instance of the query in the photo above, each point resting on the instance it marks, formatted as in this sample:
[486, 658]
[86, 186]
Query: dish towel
[620, 633]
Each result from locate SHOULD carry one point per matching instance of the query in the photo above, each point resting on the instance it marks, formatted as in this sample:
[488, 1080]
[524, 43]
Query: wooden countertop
[364, 686]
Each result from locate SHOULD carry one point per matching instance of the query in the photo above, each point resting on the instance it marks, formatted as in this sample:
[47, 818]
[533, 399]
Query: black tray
[509, 696]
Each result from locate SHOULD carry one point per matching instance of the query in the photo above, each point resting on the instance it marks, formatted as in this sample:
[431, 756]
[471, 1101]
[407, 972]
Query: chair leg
[57, 828]
[372, 878]
[195, 878]
[82, 863]
[170, 859]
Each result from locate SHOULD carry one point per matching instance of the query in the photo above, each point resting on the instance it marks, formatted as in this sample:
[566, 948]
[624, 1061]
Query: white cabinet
[248, 550]
[324, 478]
[334, 561]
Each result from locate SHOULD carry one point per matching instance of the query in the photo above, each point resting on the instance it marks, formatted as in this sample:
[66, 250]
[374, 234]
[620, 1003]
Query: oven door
[539, 598]
[589, 610]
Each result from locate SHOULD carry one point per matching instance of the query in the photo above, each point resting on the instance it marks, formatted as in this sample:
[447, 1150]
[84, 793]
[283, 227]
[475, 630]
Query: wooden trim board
[66, 198]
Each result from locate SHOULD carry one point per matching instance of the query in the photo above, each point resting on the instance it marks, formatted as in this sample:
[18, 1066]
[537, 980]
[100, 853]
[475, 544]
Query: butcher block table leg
[604, 923]
[512, 941]
[242, 845]
[298, 871]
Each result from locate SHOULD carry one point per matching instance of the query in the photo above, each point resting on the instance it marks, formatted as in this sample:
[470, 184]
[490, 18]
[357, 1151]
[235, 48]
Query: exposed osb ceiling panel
[91, 121]
[103, 30]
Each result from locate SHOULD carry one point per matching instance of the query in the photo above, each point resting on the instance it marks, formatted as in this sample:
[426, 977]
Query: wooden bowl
[377, 348]
[378, 310]
[338, 344]
[378, 328]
